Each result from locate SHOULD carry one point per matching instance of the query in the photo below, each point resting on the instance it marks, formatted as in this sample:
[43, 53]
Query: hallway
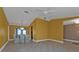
[45, 46]
[23, 24]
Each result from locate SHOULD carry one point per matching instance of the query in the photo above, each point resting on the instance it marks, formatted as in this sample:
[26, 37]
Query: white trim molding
[71, 40]
[48, 40]
[3, 46]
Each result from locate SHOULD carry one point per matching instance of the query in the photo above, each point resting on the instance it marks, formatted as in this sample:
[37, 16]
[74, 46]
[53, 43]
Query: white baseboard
[3, 46]
[57, 41]
[40, 40]
[48, 40]
[71, 40]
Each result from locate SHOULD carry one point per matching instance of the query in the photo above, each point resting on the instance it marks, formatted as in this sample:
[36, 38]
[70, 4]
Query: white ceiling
[16, 15]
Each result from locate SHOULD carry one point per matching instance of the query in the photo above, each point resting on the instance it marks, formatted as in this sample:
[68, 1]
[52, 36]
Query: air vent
[26, 12]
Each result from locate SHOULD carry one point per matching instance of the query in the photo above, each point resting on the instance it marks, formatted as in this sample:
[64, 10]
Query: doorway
[31, 32]
[20, 31]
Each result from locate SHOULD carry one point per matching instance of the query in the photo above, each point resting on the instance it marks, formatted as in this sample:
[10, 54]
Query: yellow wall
[12, 29]
[52, 29]
[40, 29]
[29, 29]
[56, 29]
[3, 28]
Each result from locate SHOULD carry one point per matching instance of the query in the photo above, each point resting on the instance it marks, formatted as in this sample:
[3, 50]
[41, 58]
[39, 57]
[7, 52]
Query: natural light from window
[21, 31]
[76, 20]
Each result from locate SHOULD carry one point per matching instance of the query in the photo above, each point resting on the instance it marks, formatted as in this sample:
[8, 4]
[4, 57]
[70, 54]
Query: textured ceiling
[17, 16]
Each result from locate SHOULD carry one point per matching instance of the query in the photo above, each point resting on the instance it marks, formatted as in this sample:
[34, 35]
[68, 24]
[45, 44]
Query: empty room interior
[39, 29]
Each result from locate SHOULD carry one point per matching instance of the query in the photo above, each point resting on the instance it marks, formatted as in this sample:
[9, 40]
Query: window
[24, 32]
[20, 31]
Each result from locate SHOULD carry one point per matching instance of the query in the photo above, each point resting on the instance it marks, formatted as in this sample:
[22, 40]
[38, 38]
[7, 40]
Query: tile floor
[45, 46]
